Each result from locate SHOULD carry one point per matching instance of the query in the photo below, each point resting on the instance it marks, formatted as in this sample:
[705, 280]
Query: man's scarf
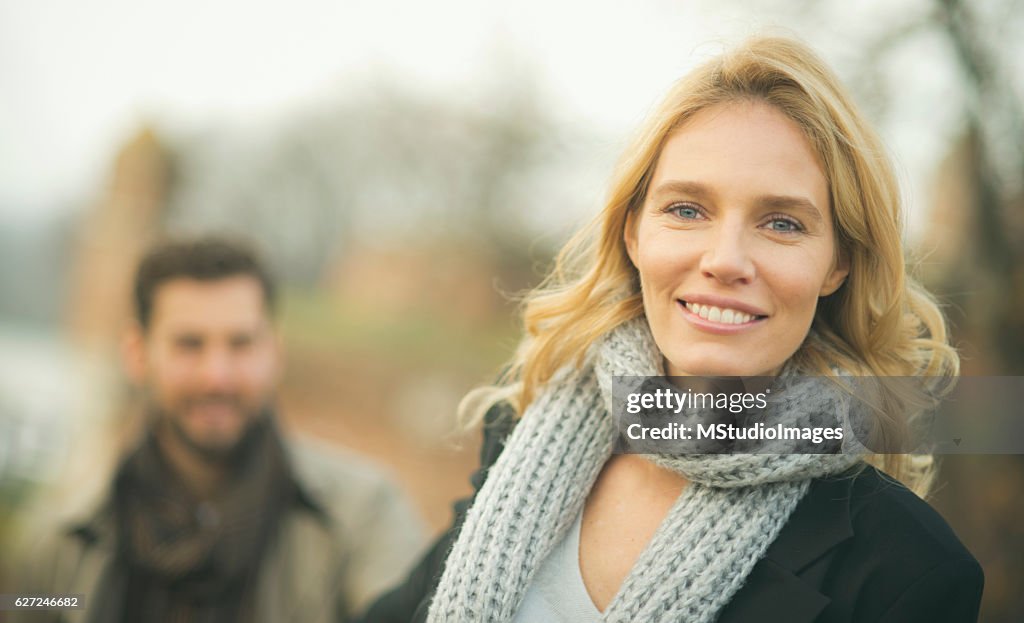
[187, 560]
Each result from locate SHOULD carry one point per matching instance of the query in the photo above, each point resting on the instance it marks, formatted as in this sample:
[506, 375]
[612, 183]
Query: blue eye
[784, 225]
[685, 210]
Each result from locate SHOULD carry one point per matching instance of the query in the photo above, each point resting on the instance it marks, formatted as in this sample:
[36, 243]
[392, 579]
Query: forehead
[744, 145]
[231, 303]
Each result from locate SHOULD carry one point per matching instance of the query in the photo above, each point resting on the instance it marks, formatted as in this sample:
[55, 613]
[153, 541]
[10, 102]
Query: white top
[557, 593]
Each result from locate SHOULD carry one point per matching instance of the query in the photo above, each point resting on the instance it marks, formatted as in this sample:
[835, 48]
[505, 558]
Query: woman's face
[734, 242]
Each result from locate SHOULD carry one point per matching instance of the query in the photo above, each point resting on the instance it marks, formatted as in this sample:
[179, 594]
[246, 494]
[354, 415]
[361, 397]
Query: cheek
[662, 261]
[171, 373]
[797, 291]
[259, 369]
[172, 386]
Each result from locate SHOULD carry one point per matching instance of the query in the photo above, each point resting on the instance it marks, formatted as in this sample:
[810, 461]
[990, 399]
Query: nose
[727, 258]
[216, 369]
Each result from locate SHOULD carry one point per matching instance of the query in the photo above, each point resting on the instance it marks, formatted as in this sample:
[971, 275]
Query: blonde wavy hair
[879, 323]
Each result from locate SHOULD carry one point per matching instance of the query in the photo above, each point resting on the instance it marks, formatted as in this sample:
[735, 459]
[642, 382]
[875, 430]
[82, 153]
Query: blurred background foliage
[404, 219]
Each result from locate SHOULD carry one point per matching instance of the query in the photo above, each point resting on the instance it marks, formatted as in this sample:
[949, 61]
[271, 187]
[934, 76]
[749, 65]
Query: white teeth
[716, 314]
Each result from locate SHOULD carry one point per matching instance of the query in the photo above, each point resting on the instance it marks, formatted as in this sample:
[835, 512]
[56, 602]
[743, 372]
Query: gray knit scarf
[718, 528]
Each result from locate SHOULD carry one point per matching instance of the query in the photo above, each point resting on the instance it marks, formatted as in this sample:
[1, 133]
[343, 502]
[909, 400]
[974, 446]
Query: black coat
[856, 549]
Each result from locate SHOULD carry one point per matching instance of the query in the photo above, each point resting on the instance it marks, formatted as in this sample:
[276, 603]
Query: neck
[204, 477]
[651, 475]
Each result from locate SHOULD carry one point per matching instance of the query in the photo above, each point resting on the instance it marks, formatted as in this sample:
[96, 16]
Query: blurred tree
[975, 250]
[994, 142]
[975, 263]
[384, 166]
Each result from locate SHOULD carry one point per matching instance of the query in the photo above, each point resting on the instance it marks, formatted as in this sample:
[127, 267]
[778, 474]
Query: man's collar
[90, 514]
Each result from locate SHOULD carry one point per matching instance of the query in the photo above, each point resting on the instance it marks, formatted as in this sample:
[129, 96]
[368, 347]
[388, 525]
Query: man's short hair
[206, 259]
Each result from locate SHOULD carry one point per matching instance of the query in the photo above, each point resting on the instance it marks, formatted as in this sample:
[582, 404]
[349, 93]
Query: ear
[133, 353]
[629, 236]
[838, 275]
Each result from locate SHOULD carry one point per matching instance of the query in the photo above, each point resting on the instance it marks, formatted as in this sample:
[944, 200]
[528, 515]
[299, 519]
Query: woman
[753, 229]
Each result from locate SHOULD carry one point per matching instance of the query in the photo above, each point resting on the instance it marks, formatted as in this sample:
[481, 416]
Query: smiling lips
[717, 314]
[720, 318]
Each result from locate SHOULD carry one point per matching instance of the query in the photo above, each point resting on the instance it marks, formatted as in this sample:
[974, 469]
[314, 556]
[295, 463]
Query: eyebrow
[767, 202]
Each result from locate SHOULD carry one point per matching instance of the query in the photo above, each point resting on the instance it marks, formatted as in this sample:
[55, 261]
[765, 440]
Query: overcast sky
[78, 78]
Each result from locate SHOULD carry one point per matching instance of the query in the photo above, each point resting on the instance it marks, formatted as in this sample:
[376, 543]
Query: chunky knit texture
[718, 528]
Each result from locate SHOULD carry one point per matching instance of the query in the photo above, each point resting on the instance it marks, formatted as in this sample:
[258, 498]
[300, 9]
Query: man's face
[209, 360]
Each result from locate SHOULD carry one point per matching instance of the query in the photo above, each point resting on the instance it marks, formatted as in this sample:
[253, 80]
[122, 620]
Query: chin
[223, 440]
[732, 365]
[212, 444]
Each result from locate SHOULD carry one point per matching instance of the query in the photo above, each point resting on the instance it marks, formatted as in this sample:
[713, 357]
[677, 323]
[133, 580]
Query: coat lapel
[89, 574]
[298, 581]
[780, 586]
[773, 593]
[299, 577]
[93, 581]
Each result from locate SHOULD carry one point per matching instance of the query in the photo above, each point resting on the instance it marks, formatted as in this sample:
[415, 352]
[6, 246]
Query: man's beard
[211, 451]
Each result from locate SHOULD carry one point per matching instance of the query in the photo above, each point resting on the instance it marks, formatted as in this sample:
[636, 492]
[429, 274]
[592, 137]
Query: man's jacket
[355, 536]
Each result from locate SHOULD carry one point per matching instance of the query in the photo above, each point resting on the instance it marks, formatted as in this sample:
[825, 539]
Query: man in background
[215, 516]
